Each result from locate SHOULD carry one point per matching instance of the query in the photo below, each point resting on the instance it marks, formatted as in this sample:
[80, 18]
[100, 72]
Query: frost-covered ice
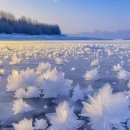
[53, 78]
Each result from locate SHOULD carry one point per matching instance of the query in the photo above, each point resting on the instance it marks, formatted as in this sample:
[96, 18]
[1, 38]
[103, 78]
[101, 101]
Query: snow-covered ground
[64, 85]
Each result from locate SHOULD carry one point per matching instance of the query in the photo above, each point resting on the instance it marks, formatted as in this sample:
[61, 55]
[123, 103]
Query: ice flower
[43, 67]
[1, 62]
[15, 60]
[20, 93]
[87, 49]
[58, 61]
[29, 83]
[56, 85]
[12, 84]
[89, 90]
[50, 74]
[122, 74]
[21, 79]
[73, 69]
[117, 67]
[30, 92]
[40, 124]
[95, 62]
[128, 84]
[64, 118]
[24, 124]
[107, 110]
[78, 94]
[91, 74]
[2, 71]
[20, 106]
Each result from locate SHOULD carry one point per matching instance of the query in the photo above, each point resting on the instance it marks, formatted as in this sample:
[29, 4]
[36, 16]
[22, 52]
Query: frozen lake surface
[74, 59]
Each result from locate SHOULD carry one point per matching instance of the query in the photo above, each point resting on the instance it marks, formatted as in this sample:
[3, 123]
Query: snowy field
[65, 85]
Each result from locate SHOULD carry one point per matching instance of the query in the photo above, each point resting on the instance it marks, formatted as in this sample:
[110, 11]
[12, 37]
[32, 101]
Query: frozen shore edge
[5, 37]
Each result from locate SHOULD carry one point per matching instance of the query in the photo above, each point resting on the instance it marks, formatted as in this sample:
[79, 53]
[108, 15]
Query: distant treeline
[23, 25]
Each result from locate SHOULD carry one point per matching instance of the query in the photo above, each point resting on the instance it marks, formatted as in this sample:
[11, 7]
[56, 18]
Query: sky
[74, 16]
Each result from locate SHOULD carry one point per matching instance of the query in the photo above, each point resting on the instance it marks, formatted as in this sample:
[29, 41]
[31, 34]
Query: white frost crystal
[117, 67]
[20, 93]
[78, 94]
[43, 67]
[30, 92]
[12, 85]
[2, 71]
[29, 83]
[56, 85]
[15, 60]
[58, 61]
[91, 74]
[95, 62]
[40, 124]
[73, 69]
[128, 84]
[20, 106]
[24, 124]
[21, 79]
[122, 74]
[64, 118]
[107, 110]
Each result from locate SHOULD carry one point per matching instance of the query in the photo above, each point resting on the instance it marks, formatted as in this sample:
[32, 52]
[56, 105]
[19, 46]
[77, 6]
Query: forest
[9, 24]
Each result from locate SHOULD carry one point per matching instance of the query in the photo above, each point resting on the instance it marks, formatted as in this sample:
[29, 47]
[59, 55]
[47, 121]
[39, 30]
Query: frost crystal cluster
[107, 110]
